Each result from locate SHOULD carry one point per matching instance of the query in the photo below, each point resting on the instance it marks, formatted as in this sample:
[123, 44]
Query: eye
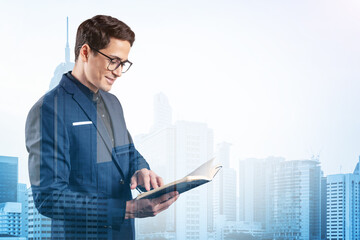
[114, 61]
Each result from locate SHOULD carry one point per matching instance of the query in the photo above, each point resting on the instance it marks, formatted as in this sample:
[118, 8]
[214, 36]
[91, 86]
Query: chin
[106, 89]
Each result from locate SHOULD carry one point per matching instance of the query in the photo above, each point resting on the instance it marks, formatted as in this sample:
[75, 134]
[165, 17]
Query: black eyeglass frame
[112, 59]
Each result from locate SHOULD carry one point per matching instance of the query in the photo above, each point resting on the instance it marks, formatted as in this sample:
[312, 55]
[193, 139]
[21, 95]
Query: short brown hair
[98, 30]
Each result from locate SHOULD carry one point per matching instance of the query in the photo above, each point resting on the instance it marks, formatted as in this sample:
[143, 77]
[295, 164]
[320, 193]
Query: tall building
[173, 151]
[343, 206]
[323, 207]
[158, 148]
[297, 199]
[226, 192]
[194, 146]
[256, 187]
[85, 225]
[39, 226]
[162, 112]
[222, 195]
[223, 154]
[8, 179]
[22, 197]
[10, 219]
[64, 66]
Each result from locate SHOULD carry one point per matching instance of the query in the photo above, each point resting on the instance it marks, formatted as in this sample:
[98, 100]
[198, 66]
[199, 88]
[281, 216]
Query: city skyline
[285, 83]
[270, 189]
[290, 194]
[281, 179]
[276, 80]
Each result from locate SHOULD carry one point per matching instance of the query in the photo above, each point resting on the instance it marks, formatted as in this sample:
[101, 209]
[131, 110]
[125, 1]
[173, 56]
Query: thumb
[133, 182]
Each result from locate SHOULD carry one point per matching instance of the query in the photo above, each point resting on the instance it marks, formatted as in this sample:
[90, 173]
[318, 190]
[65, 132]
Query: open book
[203, 174]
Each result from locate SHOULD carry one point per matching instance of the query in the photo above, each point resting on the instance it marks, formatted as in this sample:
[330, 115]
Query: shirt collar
[95, 97]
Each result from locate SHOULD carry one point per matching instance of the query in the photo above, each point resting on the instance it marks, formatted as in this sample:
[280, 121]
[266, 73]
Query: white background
[276, 78]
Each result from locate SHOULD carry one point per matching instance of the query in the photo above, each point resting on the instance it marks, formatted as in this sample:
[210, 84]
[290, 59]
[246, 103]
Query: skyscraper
[343, 206]
[64, 66]
[297, 198]
[194, 146]
[256, 187]
[22, 197]
[173, 151]
[10, 219]
[222, 194]
[323, 207]
[39, 226]
[226, 180]
[158, 148]
[8, 179]
[162, 112]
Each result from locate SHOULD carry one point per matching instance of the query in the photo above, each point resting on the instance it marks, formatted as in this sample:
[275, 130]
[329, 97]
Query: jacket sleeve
[137, 160]
[47, 142]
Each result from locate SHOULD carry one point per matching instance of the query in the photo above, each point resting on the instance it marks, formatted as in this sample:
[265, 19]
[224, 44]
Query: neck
[79, 73]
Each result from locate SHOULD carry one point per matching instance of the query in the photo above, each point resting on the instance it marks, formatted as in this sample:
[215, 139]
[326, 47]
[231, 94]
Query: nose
[117, 72]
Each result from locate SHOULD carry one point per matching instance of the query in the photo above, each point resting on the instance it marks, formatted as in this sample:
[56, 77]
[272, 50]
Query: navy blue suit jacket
[77, 177]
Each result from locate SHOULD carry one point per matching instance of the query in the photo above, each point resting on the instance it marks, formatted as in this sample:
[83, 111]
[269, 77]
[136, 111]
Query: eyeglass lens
[113, 65]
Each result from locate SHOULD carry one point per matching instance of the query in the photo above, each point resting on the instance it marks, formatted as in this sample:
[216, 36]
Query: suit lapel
[89, 109]
[121, 136]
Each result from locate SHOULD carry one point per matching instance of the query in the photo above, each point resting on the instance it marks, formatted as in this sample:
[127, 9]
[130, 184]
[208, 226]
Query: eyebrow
[116, 57]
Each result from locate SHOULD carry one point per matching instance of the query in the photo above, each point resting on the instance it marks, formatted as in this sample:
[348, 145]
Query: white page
[205, 170]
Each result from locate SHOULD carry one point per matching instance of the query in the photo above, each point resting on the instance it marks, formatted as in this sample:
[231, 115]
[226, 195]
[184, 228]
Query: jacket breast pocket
[78, 130]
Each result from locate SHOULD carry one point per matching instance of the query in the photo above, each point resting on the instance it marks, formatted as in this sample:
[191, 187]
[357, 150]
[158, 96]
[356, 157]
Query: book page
[199, 176]
[181, 186]
[206, 170]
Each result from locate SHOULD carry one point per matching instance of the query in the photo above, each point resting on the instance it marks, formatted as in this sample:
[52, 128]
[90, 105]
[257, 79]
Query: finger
[146, 181]
[153, 181]
[165, 205]
[133, 182]
[172, 195]
[165, 197]
[159, 181]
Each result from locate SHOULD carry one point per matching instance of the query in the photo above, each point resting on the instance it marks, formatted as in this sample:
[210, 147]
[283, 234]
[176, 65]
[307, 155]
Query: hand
[149, 207]
[146, 178]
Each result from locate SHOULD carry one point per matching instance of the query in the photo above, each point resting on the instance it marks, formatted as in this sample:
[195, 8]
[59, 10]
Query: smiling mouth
[110, 80]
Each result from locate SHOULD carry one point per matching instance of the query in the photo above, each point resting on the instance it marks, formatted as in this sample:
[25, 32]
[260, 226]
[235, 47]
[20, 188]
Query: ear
[84, 52]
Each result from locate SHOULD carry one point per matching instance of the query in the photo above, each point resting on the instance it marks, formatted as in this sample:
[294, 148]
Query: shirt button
[103, 115]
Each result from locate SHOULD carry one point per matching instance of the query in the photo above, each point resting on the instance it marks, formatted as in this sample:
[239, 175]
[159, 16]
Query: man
[82, 159]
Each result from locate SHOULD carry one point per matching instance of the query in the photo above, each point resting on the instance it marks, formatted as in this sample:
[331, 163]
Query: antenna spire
[67, 49]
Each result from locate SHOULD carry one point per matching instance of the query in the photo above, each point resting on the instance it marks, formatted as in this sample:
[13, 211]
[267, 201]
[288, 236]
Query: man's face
[97, 76]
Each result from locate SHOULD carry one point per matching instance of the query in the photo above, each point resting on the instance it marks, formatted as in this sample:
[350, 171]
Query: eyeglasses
[114, 63]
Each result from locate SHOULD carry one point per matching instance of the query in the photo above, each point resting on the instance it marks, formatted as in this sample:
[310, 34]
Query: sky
[273, 78]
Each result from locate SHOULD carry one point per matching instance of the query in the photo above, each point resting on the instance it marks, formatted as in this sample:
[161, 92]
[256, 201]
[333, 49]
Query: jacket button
[121, 181]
